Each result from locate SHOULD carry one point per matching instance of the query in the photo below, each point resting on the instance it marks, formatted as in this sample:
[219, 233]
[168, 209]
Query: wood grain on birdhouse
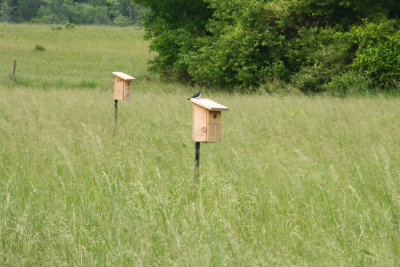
[207, 120]
[213, 126]
[199, 124]
[122, 86]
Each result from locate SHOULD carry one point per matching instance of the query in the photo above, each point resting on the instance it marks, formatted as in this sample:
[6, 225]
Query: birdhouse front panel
[118, 88]
[213, 126]
[199, 124]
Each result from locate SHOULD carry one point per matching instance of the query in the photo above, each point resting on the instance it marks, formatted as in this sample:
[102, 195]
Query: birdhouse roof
[208, 104]
[123, 76]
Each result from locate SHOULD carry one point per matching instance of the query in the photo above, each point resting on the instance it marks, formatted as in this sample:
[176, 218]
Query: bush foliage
[243, 44]
[118, 12]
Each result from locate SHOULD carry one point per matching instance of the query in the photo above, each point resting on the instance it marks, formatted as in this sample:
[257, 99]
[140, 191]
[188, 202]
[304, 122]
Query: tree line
[110, 12]
[337, 46]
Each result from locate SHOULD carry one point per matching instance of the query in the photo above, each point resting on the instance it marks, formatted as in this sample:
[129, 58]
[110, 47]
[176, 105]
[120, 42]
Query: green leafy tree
[5, 12]
[125, 12]
[52, 11]
[27, 9]
[75, 11]
[175, 27]
[64, 11]
[246, 43]
[377, 51]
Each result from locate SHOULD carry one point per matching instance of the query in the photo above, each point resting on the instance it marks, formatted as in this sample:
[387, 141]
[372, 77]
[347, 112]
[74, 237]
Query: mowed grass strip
[295, 180]
[81, 57]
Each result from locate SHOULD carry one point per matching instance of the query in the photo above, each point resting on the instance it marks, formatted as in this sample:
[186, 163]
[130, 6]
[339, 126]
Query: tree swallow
[196, 95]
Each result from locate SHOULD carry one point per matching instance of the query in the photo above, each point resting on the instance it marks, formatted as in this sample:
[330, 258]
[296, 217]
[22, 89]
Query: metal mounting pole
[197, 162]
[116, 112]
[14, 67]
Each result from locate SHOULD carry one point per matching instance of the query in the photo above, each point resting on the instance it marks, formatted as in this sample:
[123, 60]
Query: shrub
[323, 57]
[349, 83]
[377, 51]
[70, 26]
[39, 48]
[278, 87]
[122, 21]
[56, 28]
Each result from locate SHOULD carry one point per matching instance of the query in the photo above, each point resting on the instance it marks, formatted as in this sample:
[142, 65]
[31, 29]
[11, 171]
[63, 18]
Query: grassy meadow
[304, 181]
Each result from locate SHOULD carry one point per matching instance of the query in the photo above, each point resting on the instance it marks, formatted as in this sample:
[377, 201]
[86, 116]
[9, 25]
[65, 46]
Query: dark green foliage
[120, 12]
[5, 11]
[39, 48]
[61, 12]
[176, 26]
[242, 44]
[377, 51]
[121, 21]
[27, 9]
[349, 12]
[367, 56]
[244, 47]
[70, 26]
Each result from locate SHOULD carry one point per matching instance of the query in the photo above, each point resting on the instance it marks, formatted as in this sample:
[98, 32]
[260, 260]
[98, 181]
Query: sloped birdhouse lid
[208, 104]
[123, 76]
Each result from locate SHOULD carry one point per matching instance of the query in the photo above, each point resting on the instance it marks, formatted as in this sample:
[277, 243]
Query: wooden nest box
[122, 86]
[206, 120]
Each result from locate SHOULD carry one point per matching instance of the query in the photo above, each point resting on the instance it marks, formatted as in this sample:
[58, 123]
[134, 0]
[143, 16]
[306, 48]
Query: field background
[295, 181]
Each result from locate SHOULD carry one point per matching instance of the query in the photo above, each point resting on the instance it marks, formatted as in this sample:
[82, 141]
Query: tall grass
[295, 180]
